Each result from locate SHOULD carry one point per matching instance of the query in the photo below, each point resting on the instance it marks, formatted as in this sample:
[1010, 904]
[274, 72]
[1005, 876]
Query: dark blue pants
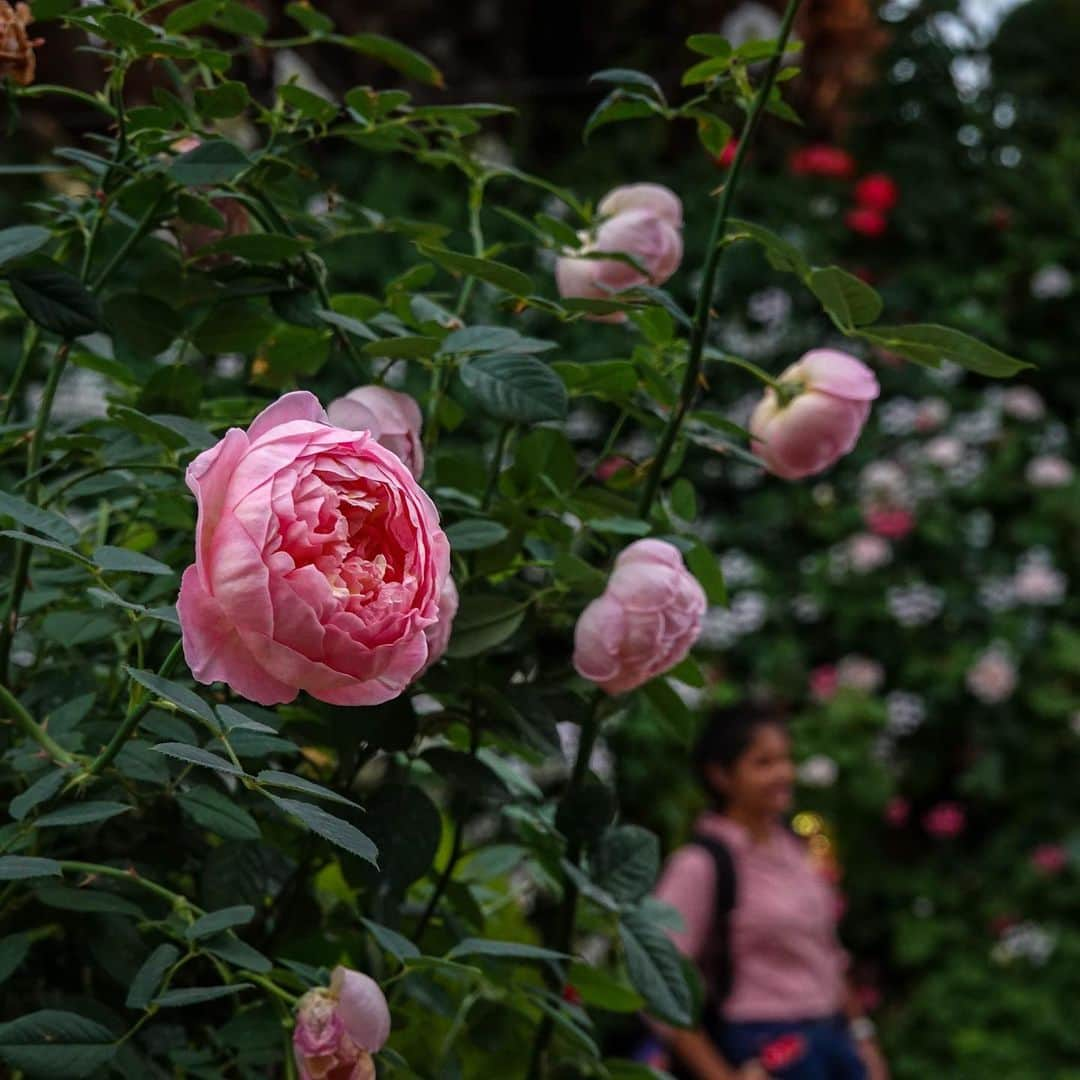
[828, 1051]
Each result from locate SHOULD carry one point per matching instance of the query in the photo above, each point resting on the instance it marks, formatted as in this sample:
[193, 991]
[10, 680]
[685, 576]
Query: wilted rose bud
[17, 60]
[338, 1029]
[644, 222]
[817, 416]
[645, 622]
[393, 419]
[193, 237]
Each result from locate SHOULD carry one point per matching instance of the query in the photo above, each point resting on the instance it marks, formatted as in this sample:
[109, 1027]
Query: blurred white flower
[818, 771]
[979, 528]
[944, 451]
[868, 552]
[904, 712]
[290, 67]
[992, 678]
[1023, 403]
[1051, 282]
[749, 610]
[914, 605]
[583, 423]
[997, 594]
[1026, 941]
[769, 306]
[931, 413]
[492, 149]
[750, 22]
[898, 416]
[718, 629]
[738, 568]
[860, 673]
[806, 608]
[1039, 582]
[884, 483]
[1048, 471]
[978, 427]
[1054, 438]
[968, 469]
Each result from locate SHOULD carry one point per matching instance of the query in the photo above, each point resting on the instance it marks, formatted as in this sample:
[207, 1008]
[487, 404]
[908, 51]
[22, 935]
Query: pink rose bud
[644, 222]
[897, 811]
[1050, 859]
[438, 633]
[945, 821]
[644, 623]
[818, 415]
[319, 562]
[393, 419]
[361, 1007]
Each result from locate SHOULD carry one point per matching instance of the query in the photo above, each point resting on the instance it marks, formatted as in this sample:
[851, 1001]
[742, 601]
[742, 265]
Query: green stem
[712, 262]
[32, 728]
[496, 465]
[609, 445]
[564, 933]
[145, 224]
[86, 474]
[30, 340]
[136, 712]
[33, 464]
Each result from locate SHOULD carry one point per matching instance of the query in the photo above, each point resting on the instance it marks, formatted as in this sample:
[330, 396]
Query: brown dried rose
[16, 47]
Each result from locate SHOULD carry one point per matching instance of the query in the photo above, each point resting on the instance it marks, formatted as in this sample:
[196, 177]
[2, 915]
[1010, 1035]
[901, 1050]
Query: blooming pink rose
[393, 419]
[877, 191]
[644, 623]
[319, 562]
[643, 221]
[821, 159]
[945, 821]
[438, 633]
[897, 811]
[338, 1029]
[1050, 859]
[827, 397]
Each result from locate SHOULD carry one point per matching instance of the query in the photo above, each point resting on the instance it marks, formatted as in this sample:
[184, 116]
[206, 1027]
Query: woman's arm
[864, 1034]
[696, 1052]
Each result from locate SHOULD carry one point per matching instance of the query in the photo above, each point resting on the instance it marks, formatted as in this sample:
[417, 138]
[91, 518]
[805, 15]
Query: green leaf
[628, 77]
[610, 380]
[184, 699]
[482, 622]
[125, 31]
[315, 22]
[299, 783]
[238, 953]
[21, 240]
[88, 900]
[398, 56]
[83, 813]
[42, 789]
[706, 70]
[196, 995]
[144, 324]
[705, 566]
[331, 828]
[519, 389]
[601, 990]
[122, 560]
[190, 16]
[34, 517]
[505, 950]
[781, 254]
[709, 44]
[496, 273]
[621, 105]
[400, 947]
[261, 247]
[56, 1045]
[212, 162]
[232, 720]
[404, 347]
[848, 301]
[312, 106]
[195, 755]
[626, 862]
[655, 969]
[217, 812]
[148, 977]
[479, 339]
[239, 19]
[55, 299]
[928, 344]
[683, 499]
[14, 949]
[216, 921]
[475, 534]
[224, 100]
[17, 867]
[671, 709]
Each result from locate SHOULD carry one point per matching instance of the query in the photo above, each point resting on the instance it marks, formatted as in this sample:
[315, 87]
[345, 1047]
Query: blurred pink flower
[945, 821]
[1049, 471]
[821, 159]
[1050, 859]
[867, 552]
[816, 417]
[824, 683]
[866, 221]
[645, 622]
[992, 678]
[894, 523]
[877, 191]
[897, 811]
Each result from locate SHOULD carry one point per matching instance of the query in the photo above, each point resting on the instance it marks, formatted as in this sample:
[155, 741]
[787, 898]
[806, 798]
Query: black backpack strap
[716, 959]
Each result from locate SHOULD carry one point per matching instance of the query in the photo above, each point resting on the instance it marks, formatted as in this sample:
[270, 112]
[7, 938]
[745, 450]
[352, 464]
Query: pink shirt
[787, 963]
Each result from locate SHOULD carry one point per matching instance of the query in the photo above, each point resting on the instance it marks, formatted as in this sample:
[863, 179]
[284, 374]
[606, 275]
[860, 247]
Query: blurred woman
[760, 922]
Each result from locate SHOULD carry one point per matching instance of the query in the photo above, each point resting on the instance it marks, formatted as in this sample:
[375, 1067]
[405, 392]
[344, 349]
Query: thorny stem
[712, 262]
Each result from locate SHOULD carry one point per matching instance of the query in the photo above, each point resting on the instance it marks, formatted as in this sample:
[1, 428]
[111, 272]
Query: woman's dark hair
[727, 735]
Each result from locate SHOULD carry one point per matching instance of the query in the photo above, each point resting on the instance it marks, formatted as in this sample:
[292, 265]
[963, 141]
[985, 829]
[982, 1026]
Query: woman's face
[760, 782]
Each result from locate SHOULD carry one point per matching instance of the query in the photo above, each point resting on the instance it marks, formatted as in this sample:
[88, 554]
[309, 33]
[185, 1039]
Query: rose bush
[184, 867]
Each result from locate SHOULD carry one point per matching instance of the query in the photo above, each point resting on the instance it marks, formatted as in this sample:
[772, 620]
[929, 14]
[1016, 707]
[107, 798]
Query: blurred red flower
[726, 156]
[893, 524]
[877, 191]
[946, 820]
[783, 1051]
[1050, 859]
[821, 159]
[866, 221]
